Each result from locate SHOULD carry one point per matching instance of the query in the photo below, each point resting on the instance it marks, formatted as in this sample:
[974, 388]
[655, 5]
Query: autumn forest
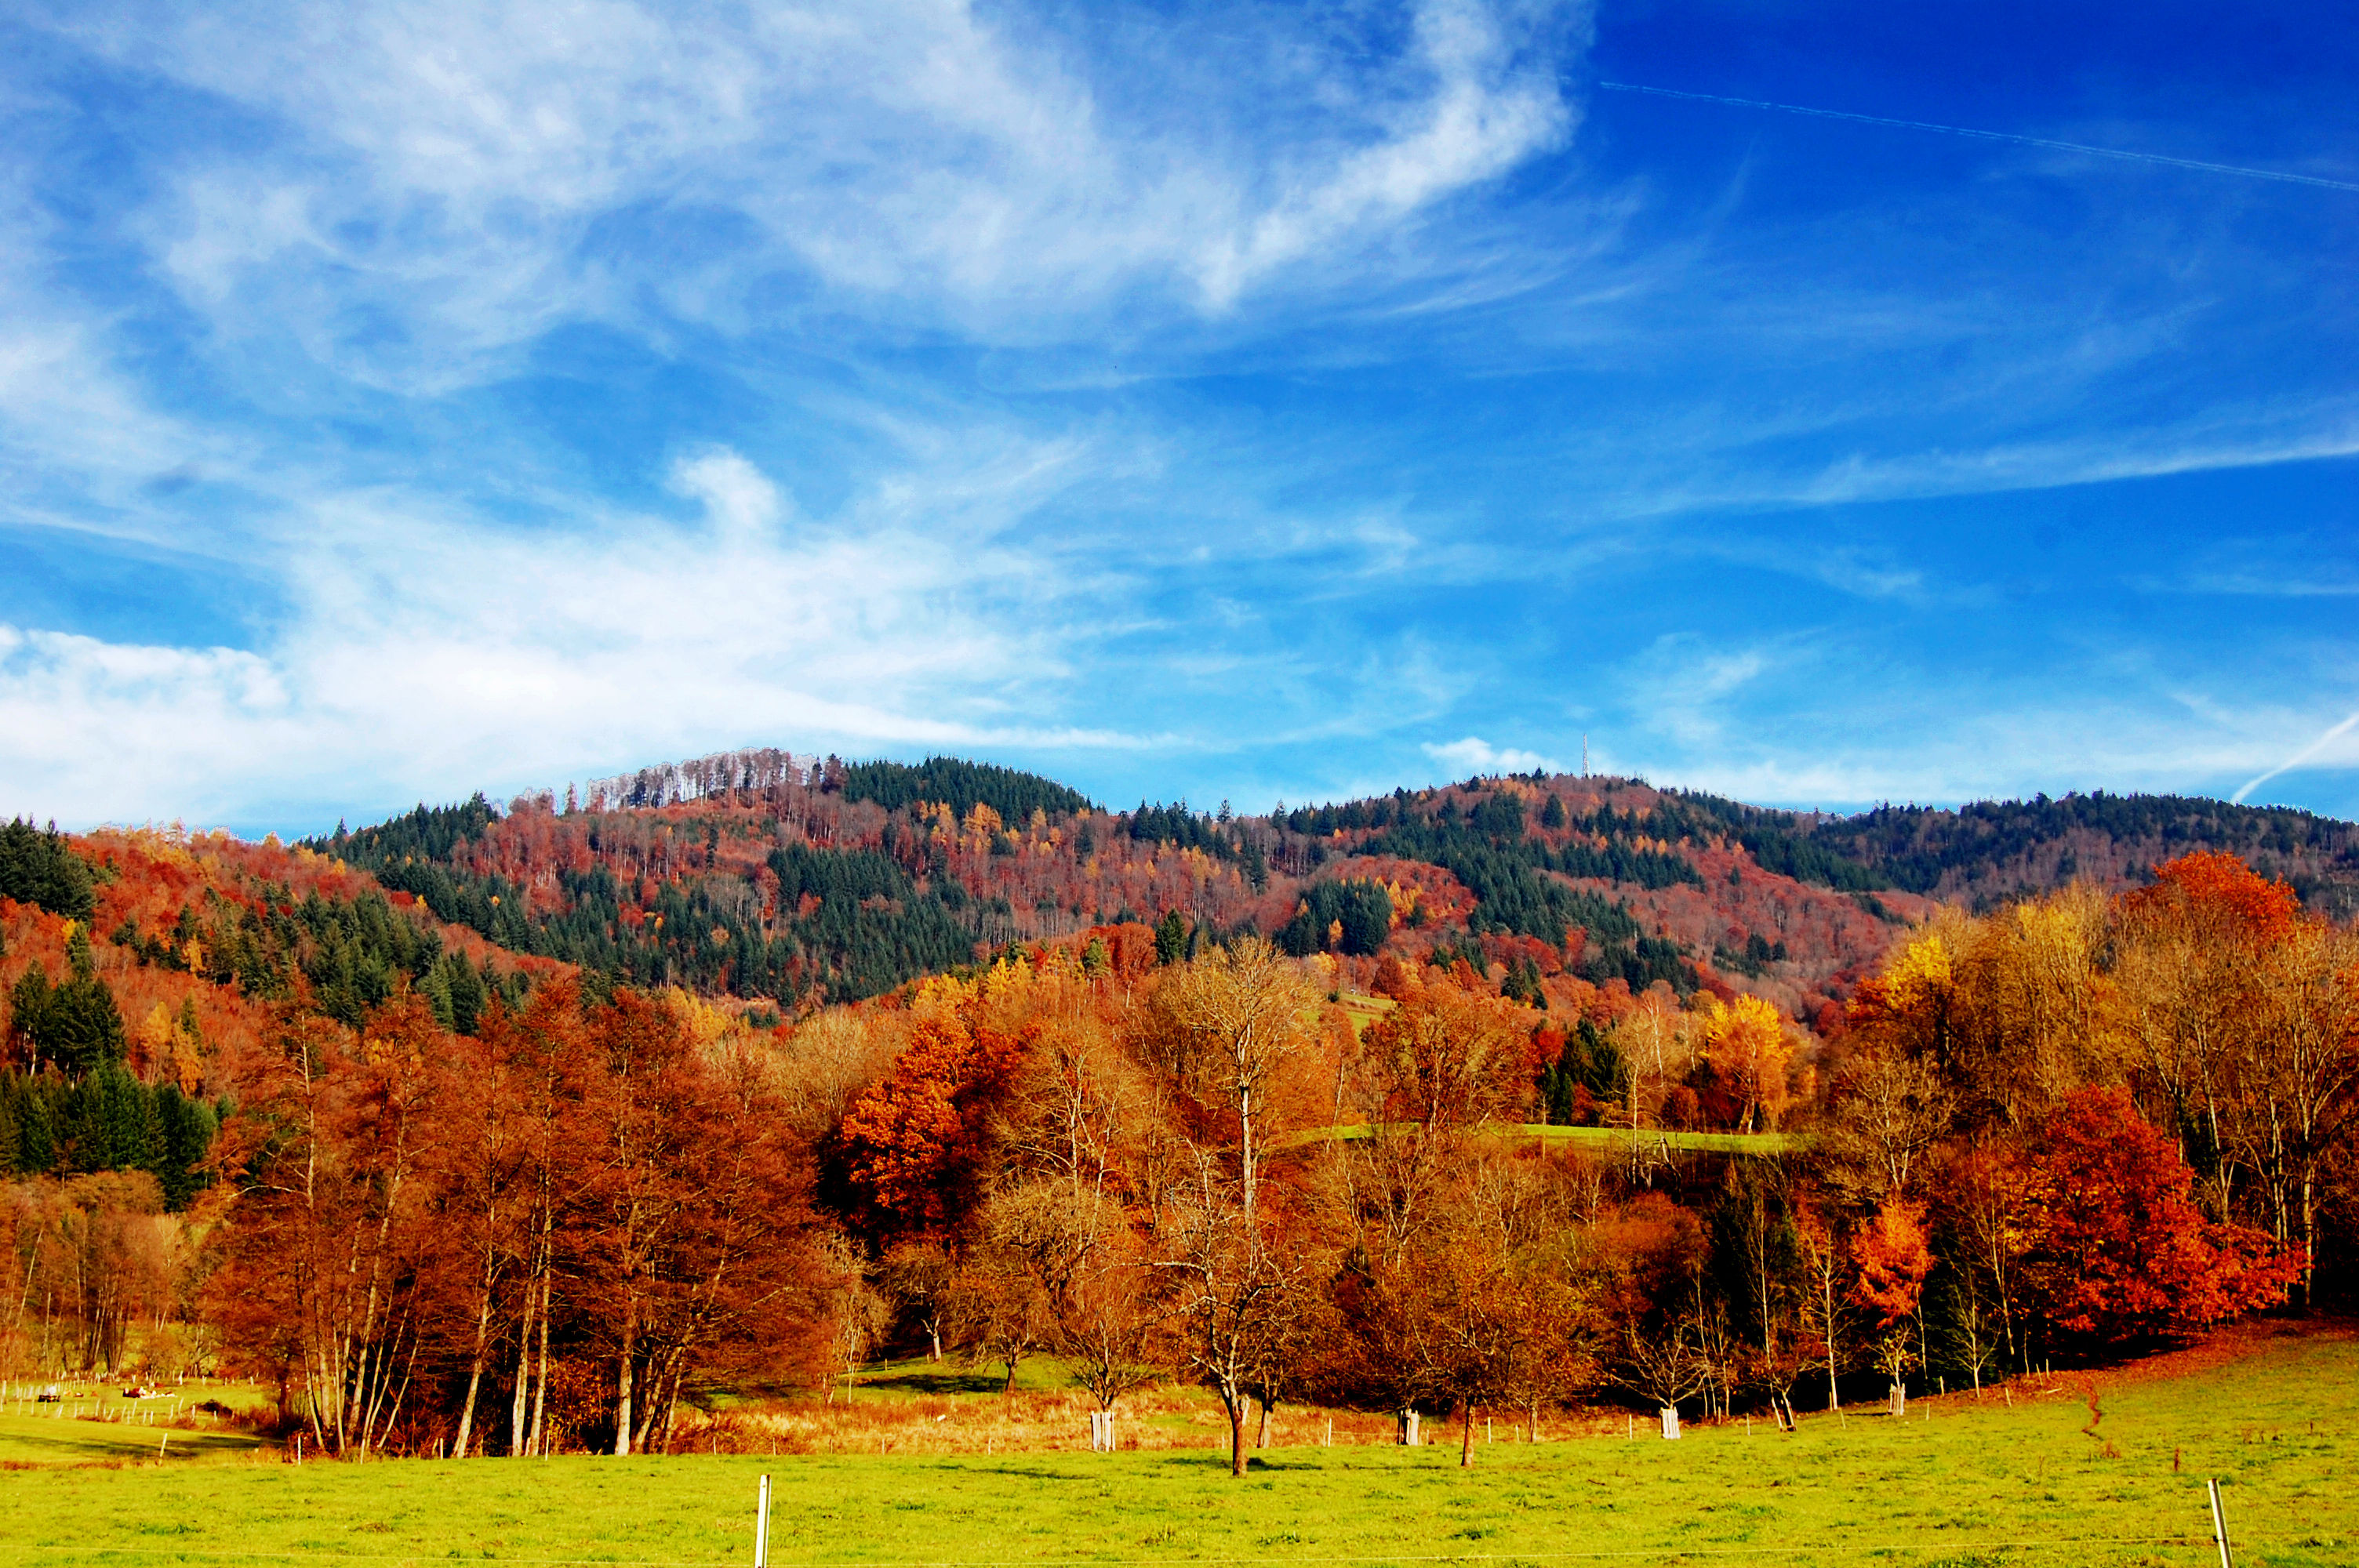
[525, 1129]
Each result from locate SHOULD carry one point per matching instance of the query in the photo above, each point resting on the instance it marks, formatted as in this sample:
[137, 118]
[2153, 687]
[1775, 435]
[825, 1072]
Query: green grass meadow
[1983, 1482]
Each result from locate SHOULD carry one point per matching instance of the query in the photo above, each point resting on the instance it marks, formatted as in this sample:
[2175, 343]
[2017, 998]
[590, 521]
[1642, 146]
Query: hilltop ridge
[774, 876]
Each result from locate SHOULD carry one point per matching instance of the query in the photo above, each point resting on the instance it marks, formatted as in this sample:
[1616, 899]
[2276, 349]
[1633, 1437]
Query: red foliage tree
[913, 1142]
[2125, 1254]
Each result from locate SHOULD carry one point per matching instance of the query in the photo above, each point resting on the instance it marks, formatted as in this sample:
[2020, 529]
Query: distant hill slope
[1993, 851]
[142, 971]
[813, 879]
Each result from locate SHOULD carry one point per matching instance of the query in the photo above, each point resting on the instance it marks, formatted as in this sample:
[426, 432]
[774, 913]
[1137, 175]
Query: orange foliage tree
[1893, 1259]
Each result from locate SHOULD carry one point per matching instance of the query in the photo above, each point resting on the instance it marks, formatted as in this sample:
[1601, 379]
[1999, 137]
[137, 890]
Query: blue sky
[1235, 402]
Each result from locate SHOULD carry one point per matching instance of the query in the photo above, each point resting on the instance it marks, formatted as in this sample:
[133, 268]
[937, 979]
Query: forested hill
[804, 879]
[136, 967]
[1994, 850]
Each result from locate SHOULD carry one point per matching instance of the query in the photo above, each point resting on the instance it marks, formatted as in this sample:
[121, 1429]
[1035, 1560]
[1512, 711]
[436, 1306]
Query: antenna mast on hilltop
[1584, 756]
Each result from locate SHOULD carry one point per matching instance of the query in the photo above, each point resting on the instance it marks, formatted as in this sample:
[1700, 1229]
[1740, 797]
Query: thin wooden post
[2219, 1524]
[762, 1525]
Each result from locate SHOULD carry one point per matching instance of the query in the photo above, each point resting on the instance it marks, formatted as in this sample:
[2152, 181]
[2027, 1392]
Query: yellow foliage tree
[1745, 1040]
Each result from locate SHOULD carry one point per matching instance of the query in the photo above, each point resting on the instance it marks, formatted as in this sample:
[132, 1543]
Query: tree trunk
[519, 1401]
[1245, 1156]
[1261, 1439]
[1466, 1435]
[1834, 1397]
[474, 1380]
[623, 1394]
[2309, 1241]
[1236, 1434]
[663, 1388]
[538, 1442]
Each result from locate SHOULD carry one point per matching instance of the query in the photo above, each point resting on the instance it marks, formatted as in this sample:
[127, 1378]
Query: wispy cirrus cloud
[1233, 393]
[414, 185]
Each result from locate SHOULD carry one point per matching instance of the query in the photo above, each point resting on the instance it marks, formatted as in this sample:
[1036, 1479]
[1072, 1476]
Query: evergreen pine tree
[1170, 937]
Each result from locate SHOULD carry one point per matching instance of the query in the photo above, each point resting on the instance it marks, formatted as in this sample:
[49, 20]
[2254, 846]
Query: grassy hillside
[1957, 1482]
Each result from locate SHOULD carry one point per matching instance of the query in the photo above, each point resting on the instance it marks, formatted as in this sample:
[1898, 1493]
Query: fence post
[762, 1525]
[2219, 1524]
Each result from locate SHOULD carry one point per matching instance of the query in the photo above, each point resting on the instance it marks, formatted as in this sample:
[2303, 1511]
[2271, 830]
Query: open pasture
[1958, 1482]
[93, 1421]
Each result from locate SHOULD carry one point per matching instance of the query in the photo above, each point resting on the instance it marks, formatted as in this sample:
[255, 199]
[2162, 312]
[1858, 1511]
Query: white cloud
[738, 497]
[427, 648]
[104, 729]
[438, 181]
[1475, 755]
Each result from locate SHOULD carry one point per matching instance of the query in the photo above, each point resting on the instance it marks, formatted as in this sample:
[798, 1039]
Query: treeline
[2057, 1133]
[1779, 841]
[672, 899]
[676, 896]
[1161, 1185]
[427, 833]
[41, 869]
[849, 923]
[51, 1125]
[531, 1239]
[961, 786]
[1219, 836]
[1487, 850]
[350, 955]
[1917, 846]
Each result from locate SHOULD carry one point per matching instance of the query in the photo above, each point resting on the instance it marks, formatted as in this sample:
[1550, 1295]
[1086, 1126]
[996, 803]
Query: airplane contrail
[2305, 754]
[1991, 136]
